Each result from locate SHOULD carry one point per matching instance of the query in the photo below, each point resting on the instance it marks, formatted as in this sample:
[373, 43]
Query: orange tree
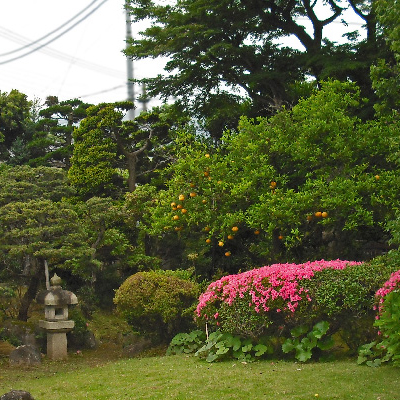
[311, 182]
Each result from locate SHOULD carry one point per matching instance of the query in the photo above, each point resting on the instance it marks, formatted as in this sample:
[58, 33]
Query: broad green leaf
[320, 329]
[299, 330]
[260, 349]
[287, 346]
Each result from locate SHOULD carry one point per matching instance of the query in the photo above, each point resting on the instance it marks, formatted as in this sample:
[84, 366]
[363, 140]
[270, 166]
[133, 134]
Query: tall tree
[106, 146]
[36, 226]
[14, 126]
[386, 73]
[51, 144]
[219, 47]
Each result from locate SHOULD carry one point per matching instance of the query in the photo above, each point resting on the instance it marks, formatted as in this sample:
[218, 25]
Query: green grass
[186, 377]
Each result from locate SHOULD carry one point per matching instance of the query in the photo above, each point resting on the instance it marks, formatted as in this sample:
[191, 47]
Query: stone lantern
[56, 323]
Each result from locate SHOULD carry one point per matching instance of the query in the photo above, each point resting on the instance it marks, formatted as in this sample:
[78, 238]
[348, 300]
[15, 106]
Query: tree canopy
[107, 145]
[386, 73]
[14, 126]
[313, 181]
[235, 48]
[51, 144]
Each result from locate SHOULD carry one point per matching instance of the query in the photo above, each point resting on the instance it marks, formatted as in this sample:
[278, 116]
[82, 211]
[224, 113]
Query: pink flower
[265, 285]
[391, 284]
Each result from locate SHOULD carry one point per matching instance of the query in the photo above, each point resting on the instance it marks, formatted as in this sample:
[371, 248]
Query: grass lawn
[89, 376]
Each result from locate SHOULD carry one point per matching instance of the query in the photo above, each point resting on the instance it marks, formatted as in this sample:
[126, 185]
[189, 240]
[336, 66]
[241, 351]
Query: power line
[12, 36]
[50, 33]
[101, 92]
[56, 37]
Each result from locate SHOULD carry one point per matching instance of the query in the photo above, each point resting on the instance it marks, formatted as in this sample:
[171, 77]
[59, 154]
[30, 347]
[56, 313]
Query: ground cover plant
[185, 377]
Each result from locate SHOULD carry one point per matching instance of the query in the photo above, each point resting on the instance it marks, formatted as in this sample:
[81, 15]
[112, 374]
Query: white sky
[57, 69]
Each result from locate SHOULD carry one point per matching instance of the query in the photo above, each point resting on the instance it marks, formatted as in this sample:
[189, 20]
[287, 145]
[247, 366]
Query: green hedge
[274, 300]
[158, 304]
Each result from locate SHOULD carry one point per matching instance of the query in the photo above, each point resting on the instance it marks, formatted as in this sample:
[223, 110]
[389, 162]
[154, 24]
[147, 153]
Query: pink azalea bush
[391, 284]
[255, 298]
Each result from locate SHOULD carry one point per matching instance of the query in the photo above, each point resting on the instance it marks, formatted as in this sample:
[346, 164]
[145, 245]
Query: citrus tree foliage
[51, 143]
[15, 124]
[311, 182]
[215, 50]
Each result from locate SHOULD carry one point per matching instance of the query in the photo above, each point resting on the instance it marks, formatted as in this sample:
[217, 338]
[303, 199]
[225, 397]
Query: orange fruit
[183, 211]
[175, 217]
[179, 206]
[206, 173]
[181, 197]
[324, 214]
[204, 201]
[173, 204]
[192, 185]
[207, 155]
[309, 217]
[228, 253]
[272, 185]
[257, 232]
[318, 214]
[208, 240]
[377, 177]
[235, 229]
[280, 237]
[178, 228]
[207, 228]
[221, 243]
[230, 237]
[192, 194]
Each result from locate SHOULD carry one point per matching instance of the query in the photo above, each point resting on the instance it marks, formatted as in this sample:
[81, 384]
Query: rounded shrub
[158, 304]
[346, 299]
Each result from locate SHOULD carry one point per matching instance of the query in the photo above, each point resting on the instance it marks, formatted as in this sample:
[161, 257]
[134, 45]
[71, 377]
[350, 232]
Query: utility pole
[129, 64]
[143, 98]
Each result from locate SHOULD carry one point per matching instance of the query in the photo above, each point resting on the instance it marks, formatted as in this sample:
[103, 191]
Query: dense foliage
[158, 304]
[51, 143]
[386, 347]
[311, 182]
[275, 299]
[309, 172]
[16, 126]
[222, 52]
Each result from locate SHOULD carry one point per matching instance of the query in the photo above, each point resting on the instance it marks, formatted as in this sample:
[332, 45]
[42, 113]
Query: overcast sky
[86, 62]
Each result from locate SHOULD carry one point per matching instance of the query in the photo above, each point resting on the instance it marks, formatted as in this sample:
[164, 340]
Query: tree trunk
[31, 292]
[131, 161]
